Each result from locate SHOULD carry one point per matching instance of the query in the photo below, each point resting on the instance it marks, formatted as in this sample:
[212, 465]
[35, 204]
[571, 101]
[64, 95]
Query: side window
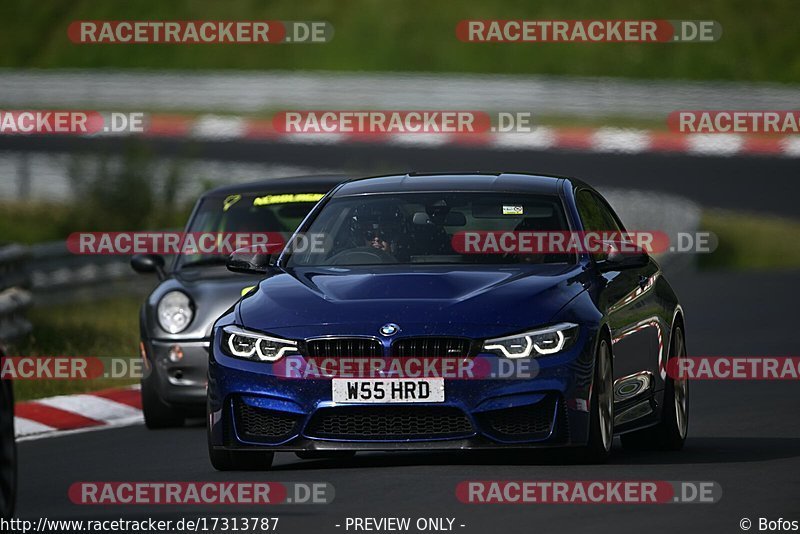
[596, 216]
[590, 212]
[595, 213]
[609, 220]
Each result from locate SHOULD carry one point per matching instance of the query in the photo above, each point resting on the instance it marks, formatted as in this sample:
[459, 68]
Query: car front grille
[258, 424]
[432, 347]
[522, 422]
[387, 423]
[344, 347]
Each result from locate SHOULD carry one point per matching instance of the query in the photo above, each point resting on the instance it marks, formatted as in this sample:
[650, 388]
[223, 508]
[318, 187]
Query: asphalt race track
[743, 435]
[745, 183]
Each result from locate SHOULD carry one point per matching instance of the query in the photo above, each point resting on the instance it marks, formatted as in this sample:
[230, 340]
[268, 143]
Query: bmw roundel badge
[389, 329]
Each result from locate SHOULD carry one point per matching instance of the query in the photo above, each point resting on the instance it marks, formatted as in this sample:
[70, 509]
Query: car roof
[293, 184]
[479, 181]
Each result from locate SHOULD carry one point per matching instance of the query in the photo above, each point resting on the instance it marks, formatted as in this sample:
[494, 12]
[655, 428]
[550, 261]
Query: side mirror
[622, 255]
[148, 263]
[250, 260]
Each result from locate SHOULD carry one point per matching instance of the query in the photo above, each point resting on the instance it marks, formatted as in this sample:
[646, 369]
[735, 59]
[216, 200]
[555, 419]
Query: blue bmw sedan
[476, 333]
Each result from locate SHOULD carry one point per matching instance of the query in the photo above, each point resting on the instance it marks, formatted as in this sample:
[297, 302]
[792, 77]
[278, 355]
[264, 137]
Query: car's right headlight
[540, 342]
[249, 345]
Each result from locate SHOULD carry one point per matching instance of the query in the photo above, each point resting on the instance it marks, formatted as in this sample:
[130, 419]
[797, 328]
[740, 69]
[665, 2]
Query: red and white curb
[608, 140]
[77, 413]
[601, 140]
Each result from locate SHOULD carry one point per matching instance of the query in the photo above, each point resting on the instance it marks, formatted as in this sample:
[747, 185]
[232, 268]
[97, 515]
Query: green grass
[106, 328]
[33, 222]
[759, 41]
[751, 242]
[38, 221]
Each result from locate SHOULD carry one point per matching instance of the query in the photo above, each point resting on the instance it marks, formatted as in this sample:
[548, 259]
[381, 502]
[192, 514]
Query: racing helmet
[382, 218]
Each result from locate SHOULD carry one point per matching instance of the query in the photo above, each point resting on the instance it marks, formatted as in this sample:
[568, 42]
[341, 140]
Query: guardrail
[48, 273]
[248, 92]
[54, 269]
[14, 295]
[60, 277]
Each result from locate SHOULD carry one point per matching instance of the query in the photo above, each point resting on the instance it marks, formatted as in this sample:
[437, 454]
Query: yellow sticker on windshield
[230, 201]
[286, 198]
[512, 210]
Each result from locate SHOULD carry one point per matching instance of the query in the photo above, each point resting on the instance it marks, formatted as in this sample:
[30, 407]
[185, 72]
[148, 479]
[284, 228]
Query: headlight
[175, 312]
[539, 342]
[242, 343]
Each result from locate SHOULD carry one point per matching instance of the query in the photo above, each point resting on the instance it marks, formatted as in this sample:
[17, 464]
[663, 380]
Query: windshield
[268, 213]
[417, 228]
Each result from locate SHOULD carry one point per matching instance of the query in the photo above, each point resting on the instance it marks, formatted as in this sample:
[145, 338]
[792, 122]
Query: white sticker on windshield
[512, 210]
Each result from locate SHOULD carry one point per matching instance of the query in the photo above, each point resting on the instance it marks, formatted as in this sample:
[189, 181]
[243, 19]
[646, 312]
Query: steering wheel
[361, 256]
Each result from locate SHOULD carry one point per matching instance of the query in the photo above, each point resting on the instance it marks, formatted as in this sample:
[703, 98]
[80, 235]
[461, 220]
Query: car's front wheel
[670, 433]
[601, 408]
[225, 460]
[158, 414]
[232, 460]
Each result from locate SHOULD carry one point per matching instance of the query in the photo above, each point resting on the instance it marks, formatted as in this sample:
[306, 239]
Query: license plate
[375, 390]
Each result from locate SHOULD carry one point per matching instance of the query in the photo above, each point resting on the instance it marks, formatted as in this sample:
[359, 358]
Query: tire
[158, 414]
[322, 455]
[601, 411]
[228, 460]
[8, 452]
[670, 433]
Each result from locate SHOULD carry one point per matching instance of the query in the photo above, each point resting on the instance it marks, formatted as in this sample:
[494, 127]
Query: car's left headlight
[539, 342]
[249, 345]
[175, 312]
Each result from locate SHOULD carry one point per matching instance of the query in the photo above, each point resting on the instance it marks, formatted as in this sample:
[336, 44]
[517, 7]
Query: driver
[380, 238]
[378, 225]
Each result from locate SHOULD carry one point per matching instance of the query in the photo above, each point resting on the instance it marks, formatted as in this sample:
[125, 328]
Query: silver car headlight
[175, 312]
[241, 343]
[540, 342]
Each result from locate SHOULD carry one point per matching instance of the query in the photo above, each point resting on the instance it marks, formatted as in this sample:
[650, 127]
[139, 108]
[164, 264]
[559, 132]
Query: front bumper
[250, 407]
[178, 383]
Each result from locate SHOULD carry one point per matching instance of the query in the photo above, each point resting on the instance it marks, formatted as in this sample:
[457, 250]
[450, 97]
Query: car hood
[440, 300]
